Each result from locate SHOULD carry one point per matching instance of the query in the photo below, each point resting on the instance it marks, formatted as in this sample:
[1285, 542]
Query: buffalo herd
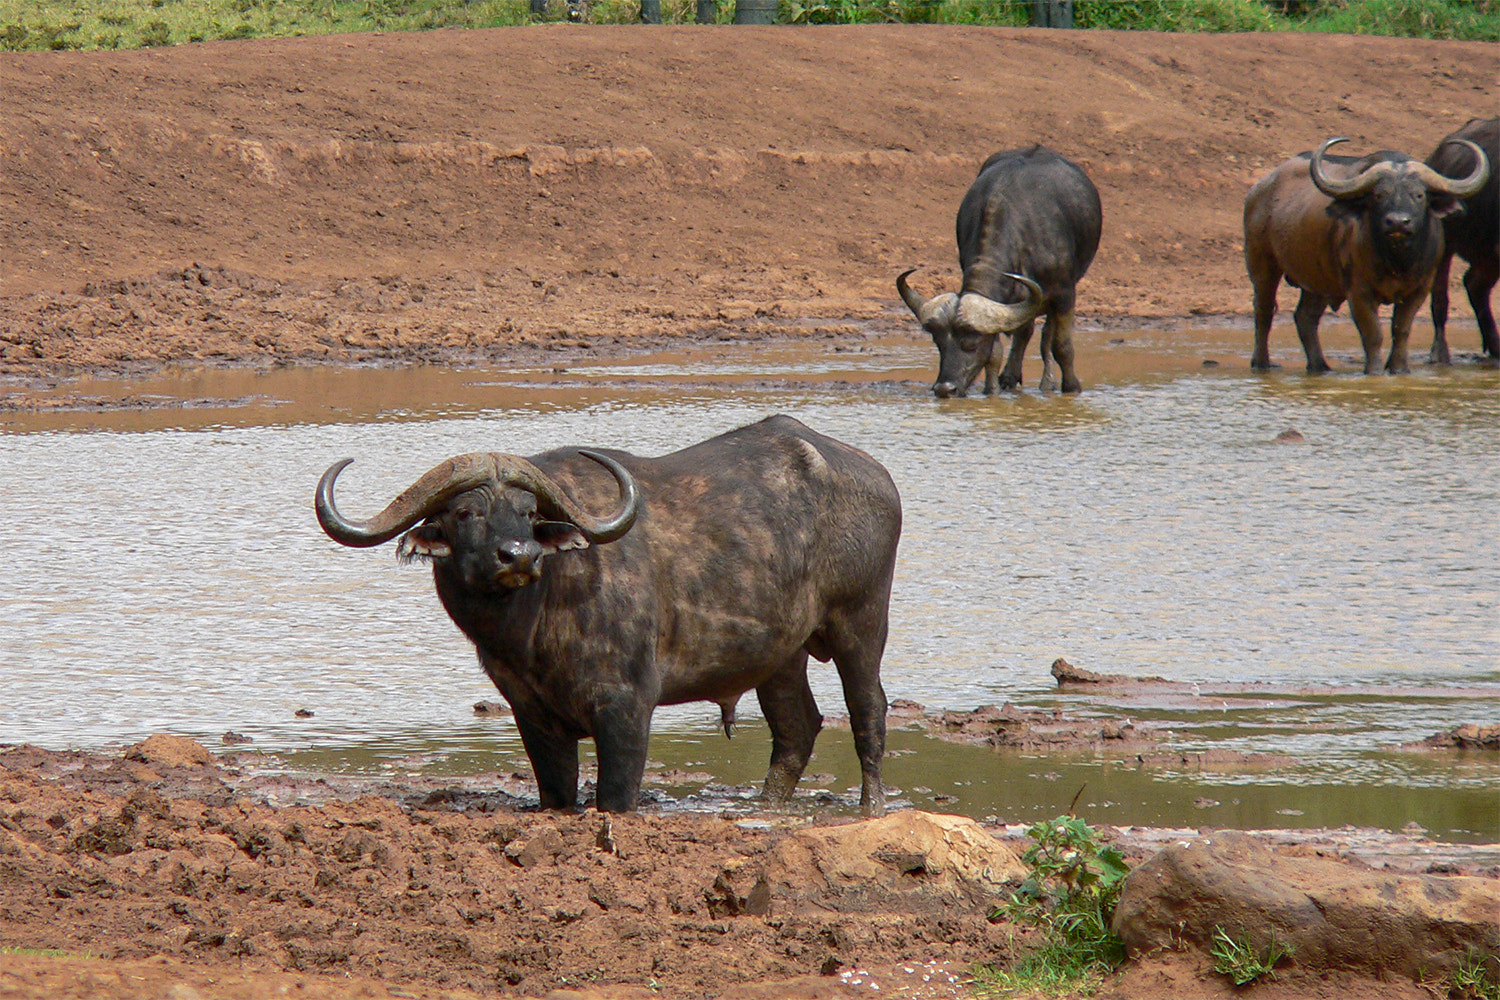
[597, 584]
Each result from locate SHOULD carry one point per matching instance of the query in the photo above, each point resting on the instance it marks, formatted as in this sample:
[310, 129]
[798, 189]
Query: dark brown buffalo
[1364, 229]
[722, 568]
[1473, 234]
[1028, 226]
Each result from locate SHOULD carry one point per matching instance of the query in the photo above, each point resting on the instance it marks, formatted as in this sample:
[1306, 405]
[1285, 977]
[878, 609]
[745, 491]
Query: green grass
[1473, 979]
[129, 24]
[1069, 897]
[1241, 961]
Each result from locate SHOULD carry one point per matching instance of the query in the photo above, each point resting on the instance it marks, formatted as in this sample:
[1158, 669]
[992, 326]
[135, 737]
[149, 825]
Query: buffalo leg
[1309, 311]
[554, 758]
[858, 644]
[787, 702]
[622, 733]
[1265, 278]
[1479, 282]
[1402, 314]
[1020, 338]
[1049, 371]
[1062, 348]
[1439, 353]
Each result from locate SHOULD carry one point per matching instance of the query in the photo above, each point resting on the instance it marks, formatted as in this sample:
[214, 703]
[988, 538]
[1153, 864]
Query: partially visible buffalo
[1473, 234]
[1364, 229]
[1028, 226]
[722, 568]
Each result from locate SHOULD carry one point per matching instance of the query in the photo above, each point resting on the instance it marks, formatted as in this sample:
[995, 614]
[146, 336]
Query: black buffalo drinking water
[721, 569]
[1028, 226]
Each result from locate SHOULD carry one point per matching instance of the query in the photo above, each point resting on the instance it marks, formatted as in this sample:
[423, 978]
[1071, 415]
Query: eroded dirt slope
[458, 194]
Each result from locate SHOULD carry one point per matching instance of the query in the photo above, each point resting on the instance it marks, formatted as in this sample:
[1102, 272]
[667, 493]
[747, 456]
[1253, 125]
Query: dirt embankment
[168, 872]
[463, 195]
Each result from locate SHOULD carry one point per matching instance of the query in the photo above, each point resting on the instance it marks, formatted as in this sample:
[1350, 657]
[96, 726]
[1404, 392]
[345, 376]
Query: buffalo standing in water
[724, 566]
[1029, 225]
[1364, 229]
[1473, 234]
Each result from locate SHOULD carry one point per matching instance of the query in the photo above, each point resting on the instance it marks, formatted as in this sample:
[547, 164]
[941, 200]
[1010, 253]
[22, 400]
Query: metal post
[651, 11]
[754, 11]
[1052, 13]
[708, 11]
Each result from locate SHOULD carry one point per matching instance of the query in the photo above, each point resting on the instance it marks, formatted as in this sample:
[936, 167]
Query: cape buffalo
[722, 568]
[1473, 234]
[1361, 229]
[1030, 225]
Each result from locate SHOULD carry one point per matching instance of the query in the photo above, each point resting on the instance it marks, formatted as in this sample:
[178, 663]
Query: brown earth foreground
[165, 872]
[478, 196]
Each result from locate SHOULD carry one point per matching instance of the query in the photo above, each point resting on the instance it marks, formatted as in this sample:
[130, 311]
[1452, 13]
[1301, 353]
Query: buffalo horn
[940, 307]
[458, 475]
[1458, 187]
[1350, 187]
[988, 316]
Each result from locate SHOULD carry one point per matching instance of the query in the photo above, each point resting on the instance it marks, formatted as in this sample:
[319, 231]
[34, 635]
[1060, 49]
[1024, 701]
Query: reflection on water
[165, 572]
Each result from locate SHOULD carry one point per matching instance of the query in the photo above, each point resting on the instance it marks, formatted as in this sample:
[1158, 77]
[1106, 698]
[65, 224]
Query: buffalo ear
[1444, 205]
[425, 541]
[559, 536]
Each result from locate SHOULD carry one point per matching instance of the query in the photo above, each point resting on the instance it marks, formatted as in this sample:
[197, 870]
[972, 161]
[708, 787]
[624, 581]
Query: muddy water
[165, 572]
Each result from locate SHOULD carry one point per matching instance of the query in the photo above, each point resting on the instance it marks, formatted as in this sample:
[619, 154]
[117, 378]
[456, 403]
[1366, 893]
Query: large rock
[1332, 914]
[909, 860]
[165, 750]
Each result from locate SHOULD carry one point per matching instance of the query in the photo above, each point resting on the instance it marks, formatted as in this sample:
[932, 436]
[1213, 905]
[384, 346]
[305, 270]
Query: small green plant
[1472, 979]
[1241, 961]
[1070, 897]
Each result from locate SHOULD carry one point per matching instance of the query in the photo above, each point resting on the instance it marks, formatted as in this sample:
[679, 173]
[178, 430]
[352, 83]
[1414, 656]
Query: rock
[1290, 436]
[905, 854]
[1465, 737]
[233, 738]
[169, 751]
[1331, 914]
[1066, 674]
[491, 708]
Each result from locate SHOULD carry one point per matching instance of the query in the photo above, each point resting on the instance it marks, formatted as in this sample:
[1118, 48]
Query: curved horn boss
[1344, 187]
[988, 316]
[458, 475]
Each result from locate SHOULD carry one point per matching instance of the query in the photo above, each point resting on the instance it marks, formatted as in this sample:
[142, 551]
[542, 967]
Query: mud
[519, 196]
[120, 873]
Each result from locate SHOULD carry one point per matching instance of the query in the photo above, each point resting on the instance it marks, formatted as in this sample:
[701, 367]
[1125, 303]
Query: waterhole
[164, 571]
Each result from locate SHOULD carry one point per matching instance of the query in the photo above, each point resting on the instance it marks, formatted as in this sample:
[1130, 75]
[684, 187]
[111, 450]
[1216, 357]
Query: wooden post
[651, 11]
[708, 11]
[1052, 13]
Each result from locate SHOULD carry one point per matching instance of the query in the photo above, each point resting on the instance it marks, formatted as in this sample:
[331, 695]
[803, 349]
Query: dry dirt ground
[478, 196]
[470, 195]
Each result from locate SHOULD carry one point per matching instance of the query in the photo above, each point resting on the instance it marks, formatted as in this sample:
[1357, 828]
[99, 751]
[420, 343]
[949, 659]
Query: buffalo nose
[518, 556]
[943, 390]
[1398, 224]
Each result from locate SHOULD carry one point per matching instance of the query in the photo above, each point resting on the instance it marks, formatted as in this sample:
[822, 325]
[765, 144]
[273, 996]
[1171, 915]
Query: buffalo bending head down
[964, 327]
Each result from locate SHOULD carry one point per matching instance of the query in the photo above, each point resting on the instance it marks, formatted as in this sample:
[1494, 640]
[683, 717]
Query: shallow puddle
[165, 572]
